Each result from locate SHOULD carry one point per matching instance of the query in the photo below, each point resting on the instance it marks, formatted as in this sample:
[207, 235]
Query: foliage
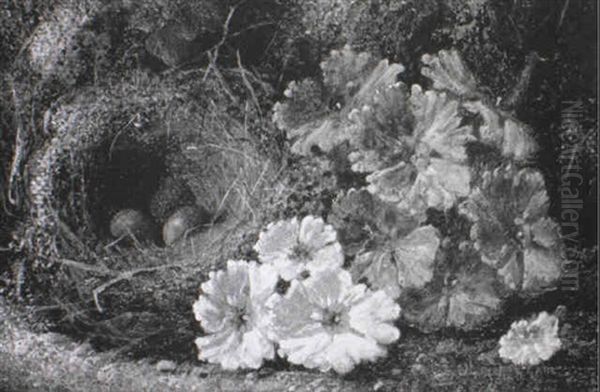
[415, 151]
[349, 82]
[512, 229]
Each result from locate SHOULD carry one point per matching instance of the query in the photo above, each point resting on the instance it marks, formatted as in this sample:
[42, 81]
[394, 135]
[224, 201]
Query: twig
[224, 148]
[85, 267]
[21, 279]
[19, 154]
[114, 141]
[110, 245]
[519, 90]
[247, 83]
[213, 53]
[562, 14]
[67, 232]
[126, 275]
[260, 177]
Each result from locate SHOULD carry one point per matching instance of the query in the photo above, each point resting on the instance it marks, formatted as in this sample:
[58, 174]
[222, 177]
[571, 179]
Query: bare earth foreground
[52, 362]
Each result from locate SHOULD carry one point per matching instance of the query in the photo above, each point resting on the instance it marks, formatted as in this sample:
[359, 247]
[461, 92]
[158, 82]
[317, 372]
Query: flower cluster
[530, 342]
[323, 321]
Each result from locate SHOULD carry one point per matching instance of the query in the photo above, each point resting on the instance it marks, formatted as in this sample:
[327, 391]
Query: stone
[166, 366]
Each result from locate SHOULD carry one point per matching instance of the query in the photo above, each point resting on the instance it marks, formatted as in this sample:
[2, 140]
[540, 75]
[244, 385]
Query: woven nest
[153, 147]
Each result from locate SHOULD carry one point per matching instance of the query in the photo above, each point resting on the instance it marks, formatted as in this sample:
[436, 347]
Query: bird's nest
[130, 147]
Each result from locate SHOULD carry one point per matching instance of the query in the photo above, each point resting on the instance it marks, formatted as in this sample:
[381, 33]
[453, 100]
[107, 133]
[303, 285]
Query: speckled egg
[183, 220]
[132, 222]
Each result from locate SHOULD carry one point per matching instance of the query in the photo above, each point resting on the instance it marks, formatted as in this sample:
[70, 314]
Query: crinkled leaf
[437, 175]
[437, 125]
[415, 256]
[541, 268]
[302, 106]
[448, 72]
[466, 301]
[351, 80]
[353, 217]
[508, 195]
[392, 184]
[384, 125]
[358, 218]
[324, 134]
[406, 262]
[511, 229]
[344, 71]
[488, 229]
[381, 78]
[530, 194]
[535, 270]
[546, 232]
[437, 186]
[513, 138]
[379, 270]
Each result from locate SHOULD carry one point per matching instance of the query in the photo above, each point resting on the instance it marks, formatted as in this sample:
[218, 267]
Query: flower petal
[329, 287]
[221, 348]
[263, 279]
[292, 314]
[329, 257]
[255, 348]
[373, 317]
[307, 351]
[347, 350]
[278, 238]
[315, 233]
[210, 314]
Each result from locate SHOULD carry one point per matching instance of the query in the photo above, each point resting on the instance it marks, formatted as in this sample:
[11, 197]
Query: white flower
[231, 312]
[294, 247]
[327, 322]
[531, 342]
